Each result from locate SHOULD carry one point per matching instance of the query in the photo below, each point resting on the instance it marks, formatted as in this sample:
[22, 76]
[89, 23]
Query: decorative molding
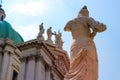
[47, 67]
[31, 57]
[38, 57]
[6, 51]
[0, 48]
[2, 42]
[22, 59]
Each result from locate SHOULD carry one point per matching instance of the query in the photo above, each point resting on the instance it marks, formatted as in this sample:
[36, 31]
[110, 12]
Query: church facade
[36, 59]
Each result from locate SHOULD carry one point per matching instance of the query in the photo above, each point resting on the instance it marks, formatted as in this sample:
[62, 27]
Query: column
[22, 72]
[30, 68]
[9, 67]
[4, 66]
[47, 72]
[39, 72]
[0, 59]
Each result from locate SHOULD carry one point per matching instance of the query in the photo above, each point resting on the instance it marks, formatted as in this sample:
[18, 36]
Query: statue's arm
[97, 26]
[68, 26]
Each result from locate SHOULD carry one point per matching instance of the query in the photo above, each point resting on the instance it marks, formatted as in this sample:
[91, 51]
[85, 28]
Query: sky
[25, 16]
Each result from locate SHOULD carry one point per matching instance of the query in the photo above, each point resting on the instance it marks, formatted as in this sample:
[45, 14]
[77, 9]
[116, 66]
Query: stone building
[36, 59]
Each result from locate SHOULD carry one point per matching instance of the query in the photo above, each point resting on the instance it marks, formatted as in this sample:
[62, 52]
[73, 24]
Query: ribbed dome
[6, 31]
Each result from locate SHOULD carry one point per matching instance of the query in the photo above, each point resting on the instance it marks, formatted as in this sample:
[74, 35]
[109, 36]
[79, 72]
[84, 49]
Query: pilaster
[39, 72]
[30, 68]
[1, 57]
[47, 72]
[22, 69]
[9, 67]
[0, 61]
[4, 65]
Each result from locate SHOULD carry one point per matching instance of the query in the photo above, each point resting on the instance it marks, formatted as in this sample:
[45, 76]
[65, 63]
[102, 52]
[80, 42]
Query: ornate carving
[60, 64]
[38, 57]
[22, 59]
[31, 57]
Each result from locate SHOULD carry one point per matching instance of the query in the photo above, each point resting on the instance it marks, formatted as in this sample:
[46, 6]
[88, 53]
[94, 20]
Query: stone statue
[58, 40]
[41, 32]
[83, 60]
[49, 34]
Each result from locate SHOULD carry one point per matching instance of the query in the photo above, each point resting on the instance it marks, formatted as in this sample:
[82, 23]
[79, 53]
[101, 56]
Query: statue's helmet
[83, 12]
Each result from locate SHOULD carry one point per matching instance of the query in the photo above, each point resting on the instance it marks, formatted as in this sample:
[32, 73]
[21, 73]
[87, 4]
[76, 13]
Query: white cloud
[28, 32]
[36, 7]
[33, 8]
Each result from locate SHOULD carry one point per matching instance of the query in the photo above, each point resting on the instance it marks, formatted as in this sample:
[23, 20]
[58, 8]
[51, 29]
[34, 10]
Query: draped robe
[83, 62]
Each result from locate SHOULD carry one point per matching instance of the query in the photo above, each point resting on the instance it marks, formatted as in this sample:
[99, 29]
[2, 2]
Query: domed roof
[6, 31]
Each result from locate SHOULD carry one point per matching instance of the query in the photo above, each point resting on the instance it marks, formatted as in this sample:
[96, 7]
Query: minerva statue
[83, 60]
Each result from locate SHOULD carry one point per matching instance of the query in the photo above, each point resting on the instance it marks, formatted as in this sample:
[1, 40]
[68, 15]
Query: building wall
[9, 59]
[31, 60]
[43, 65]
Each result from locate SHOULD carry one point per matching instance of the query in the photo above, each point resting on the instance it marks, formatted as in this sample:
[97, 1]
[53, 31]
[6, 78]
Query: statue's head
[50, 28]
[83, 12]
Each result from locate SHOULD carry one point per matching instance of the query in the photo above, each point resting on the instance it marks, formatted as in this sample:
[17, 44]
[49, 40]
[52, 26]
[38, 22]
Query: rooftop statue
[41, 32]
[83, 60]
[58, 40]
[49, 34]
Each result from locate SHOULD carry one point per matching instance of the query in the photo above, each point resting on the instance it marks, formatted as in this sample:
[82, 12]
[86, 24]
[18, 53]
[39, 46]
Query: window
[15, 75]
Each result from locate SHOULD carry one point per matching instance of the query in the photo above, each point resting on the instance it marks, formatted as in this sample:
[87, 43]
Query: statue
[2, 15]
[58, 40]
[83, 60]
[41, 32]
[49, 34]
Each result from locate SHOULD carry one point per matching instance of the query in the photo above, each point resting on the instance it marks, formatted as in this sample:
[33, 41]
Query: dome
[6, 31]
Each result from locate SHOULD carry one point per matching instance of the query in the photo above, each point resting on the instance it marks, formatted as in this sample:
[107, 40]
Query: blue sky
[26, 15]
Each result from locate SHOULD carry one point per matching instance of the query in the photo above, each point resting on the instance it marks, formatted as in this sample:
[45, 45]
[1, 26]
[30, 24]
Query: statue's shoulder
[70, 22]
[82, 18]
[74, 20]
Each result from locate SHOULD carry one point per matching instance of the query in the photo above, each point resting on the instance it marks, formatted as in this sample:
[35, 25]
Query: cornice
[37, 44]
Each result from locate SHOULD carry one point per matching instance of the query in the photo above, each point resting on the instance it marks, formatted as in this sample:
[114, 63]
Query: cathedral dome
[6, 31]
